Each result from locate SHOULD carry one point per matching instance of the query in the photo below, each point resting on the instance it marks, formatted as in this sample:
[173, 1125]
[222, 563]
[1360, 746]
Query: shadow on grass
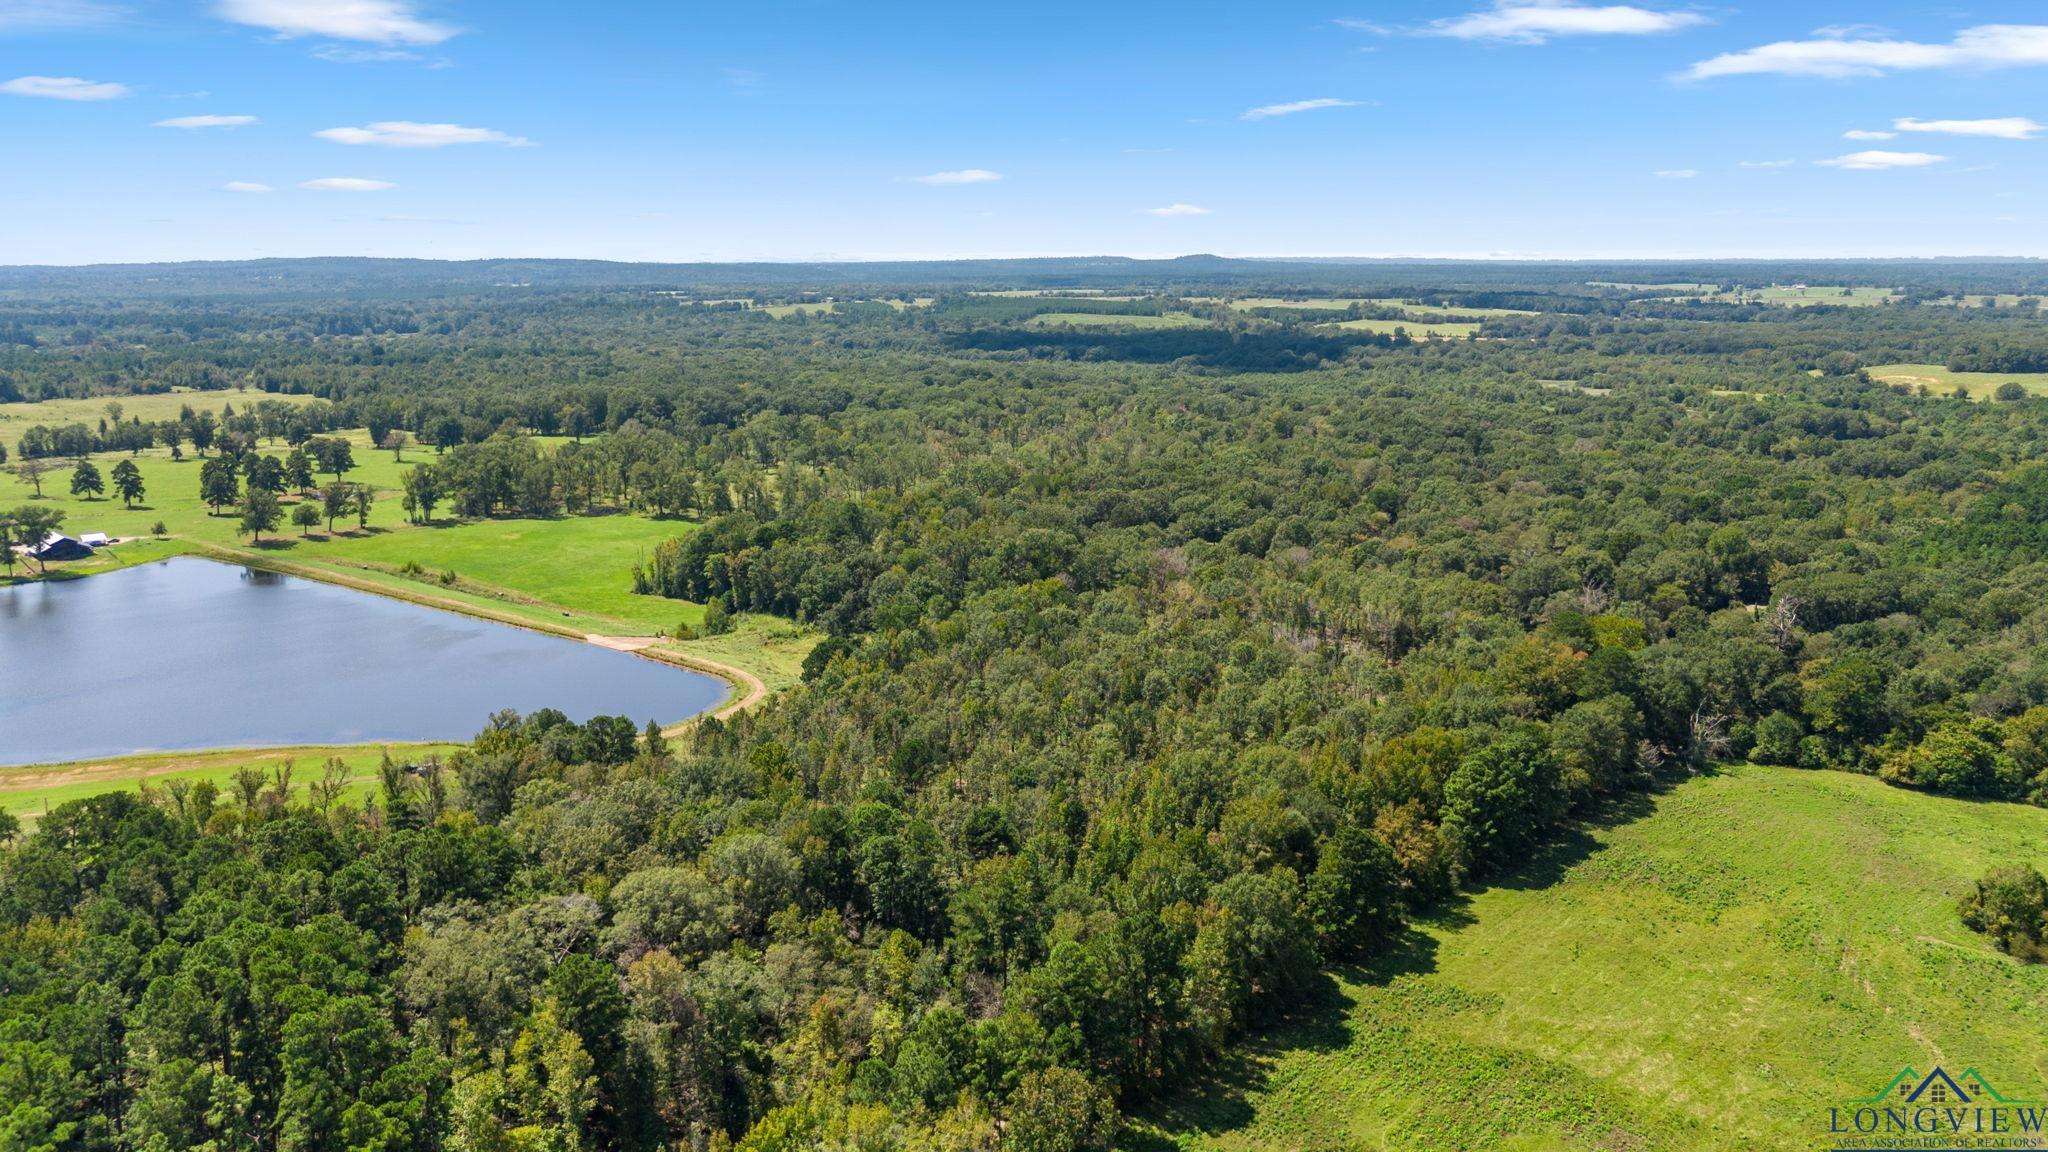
[275, 544]
[1220, 1099]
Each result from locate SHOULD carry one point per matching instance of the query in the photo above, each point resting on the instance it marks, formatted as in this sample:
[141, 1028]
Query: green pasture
[1942, 382]
[1709, 968]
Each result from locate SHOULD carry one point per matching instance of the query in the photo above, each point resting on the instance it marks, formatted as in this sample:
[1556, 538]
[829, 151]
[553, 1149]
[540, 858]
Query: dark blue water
[187, 653]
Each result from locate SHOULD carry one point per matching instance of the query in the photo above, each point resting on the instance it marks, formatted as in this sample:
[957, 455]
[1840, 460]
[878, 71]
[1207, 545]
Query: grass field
[17, 418]
[1111, 320]
[1453, 331]
[1712, 968]
[1941, 381]
[31, 791]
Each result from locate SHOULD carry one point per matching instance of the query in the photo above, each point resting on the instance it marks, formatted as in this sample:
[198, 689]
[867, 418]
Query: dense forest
[1165, 668]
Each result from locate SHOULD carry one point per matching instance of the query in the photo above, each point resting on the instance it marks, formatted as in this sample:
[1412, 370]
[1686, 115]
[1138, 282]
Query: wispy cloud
[25, 15]
[1766, 163]
[205, 122]
[1868, 134]
[410, 134]
[1536, 21]
[349, 54]
[64, 88]
[958, 176]
[2002, 127]
[1983, 47]
[1268, 111]
[1878, 159]
[1175, 210]
[245, 186]
[1676, 173]
[374, 21]
[346, 184]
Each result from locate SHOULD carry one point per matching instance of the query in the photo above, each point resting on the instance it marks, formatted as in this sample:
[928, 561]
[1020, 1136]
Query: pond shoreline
[743, 688]
[735, 678]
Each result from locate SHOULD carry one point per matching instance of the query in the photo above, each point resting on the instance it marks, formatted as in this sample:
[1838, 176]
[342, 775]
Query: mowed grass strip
[1712, 969]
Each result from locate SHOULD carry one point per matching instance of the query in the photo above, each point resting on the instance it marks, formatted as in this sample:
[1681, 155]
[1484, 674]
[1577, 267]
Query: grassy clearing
[1110, 320]
[1453, 331]
[784, 311]
[31, 791]
[1711, 970]
[17, 418]
[1942, 382]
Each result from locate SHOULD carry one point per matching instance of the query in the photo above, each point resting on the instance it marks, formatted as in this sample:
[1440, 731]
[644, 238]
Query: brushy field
[1941, 381]
[1709, 968]
[1791, 297]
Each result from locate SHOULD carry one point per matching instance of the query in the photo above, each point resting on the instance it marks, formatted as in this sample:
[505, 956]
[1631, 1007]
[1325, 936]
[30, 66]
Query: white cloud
[960, 176]
[346, 184]
[64, 88]
[1676, 173]
[1877, 160]
[205, 122]
[1268, 111]
[1766, 163]
[245, 186]
[377, 21]
[1175, 210]
[21, 15]
[1868, 134]
[1536, 21]
[1985, 46]
[2003, 127]
[408, 134]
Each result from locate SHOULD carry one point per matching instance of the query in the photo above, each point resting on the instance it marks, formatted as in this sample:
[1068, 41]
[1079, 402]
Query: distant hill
[369, 277]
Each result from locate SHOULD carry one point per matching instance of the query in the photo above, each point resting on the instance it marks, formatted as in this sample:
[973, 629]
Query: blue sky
[190, 129]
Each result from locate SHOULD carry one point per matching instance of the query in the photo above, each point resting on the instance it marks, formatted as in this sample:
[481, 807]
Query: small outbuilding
[57, 546]
[94, 539]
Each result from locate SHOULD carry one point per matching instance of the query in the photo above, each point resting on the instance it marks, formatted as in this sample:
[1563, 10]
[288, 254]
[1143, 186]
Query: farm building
[94, 539]
[57, 546]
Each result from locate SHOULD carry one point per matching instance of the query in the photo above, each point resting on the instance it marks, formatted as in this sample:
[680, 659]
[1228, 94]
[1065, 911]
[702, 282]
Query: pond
[187, 653]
